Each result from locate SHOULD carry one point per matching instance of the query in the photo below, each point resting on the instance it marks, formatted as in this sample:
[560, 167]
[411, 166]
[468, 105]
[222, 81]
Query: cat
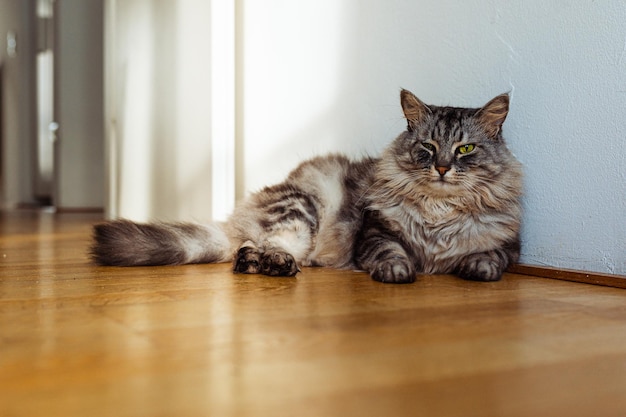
[443, 198]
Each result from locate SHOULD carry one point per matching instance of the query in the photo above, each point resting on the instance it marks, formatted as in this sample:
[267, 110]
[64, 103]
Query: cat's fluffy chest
[440, 231]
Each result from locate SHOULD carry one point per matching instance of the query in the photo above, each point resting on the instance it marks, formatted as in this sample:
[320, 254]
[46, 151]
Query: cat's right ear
[414, 109]
[492, 115]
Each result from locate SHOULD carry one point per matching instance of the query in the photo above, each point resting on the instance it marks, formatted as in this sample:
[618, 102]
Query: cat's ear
[414, 110]
[492, 115]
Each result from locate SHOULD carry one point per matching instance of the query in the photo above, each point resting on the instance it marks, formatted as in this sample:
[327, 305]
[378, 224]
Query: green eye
[429, 146]
[465, 148]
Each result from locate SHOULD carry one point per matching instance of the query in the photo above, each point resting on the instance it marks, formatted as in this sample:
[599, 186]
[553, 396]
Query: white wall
[324, 75]
[170, 109]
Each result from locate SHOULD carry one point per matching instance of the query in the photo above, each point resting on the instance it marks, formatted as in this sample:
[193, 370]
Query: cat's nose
[442, 170]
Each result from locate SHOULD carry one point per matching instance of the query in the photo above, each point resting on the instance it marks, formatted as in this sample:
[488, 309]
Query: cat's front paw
[487, 266]
[277, 263]
[394, 271]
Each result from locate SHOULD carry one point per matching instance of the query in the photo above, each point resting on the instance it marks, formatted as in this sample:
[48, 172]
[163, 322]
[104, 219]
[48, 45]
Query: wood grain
[81, 340]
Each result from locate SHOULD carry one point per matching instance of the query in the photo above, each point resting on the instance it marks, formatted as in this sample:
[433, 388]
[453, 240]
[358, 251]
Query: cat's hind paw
[247, 261]
[277, 263]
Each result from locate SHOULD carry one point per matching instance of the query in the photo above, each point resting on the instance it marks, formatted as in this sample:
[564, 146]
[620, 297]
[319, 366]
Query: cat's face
[448, 150]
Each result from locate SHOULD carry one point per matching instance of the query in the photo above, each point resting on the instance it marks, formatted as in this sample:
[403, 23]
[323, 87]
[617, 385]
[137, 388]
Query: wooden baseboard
[595, 278]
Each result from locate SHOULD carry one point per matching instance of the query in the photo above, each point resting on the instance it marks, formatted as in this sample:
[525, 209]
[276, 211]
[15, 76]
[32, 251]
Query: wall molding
[585, 277]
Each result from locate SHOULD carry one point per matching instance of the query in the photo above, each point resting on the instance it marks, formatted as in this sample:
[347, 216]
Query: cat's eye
[463, 149]
[429, 146]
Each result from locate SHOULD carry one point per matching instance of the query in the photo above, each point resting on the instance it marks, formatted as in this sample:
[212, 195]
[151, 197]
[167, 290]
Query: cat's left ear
[414, 110]
[492, 115]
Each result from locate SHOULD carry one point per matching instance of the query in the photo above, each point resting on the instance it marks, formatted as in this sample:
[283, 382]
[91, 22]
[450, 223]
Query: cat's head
[449, 151]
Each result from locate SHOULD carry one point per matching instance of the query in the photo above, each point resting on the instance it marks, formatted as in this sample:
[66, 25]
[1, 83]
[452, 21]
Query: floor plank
[196, 340]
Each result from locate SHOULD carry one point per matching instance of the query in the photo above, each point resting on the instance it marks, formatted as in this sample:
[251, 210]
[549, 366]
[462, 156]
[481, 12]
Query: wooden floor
[81, 340]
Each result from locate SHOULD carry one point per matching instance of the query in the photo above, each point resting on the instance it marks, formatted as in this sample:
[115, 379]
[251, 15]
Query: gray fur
[422, 207]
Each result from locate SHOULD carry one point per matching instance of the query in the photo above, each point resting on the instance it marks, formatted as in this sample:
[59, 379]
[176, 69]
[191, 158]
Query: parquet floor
[81, 340]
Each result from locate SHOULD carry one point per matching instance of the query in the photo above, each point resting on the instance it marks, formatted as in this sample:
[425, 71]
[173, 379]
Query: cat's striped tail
[126, 243]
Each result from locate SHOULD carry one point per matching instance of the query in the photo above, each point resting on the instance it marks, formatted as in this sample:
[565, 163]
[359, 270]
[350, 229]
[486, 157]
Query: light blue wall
[326, 75]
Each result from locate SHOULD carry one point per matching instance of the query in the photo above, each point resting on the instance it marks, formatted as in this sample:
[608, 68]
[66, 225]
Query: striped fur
[422, 207]
[310, 219]
[433, 209]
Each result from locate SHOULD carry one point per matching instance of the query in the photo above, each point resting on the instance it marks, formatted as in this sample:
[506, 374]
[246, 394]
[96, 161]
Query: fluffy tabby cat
[444, 197]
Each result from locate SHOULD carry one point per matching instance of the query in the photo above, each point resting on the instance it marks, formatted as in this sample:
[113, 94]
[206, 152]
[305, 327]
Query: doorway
[52, 104]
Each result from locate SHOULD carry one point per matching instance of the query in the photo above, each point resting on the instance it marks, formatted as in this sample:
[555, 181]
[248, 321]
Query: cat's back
[335, 179]
[339, 185]
[322, 177]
